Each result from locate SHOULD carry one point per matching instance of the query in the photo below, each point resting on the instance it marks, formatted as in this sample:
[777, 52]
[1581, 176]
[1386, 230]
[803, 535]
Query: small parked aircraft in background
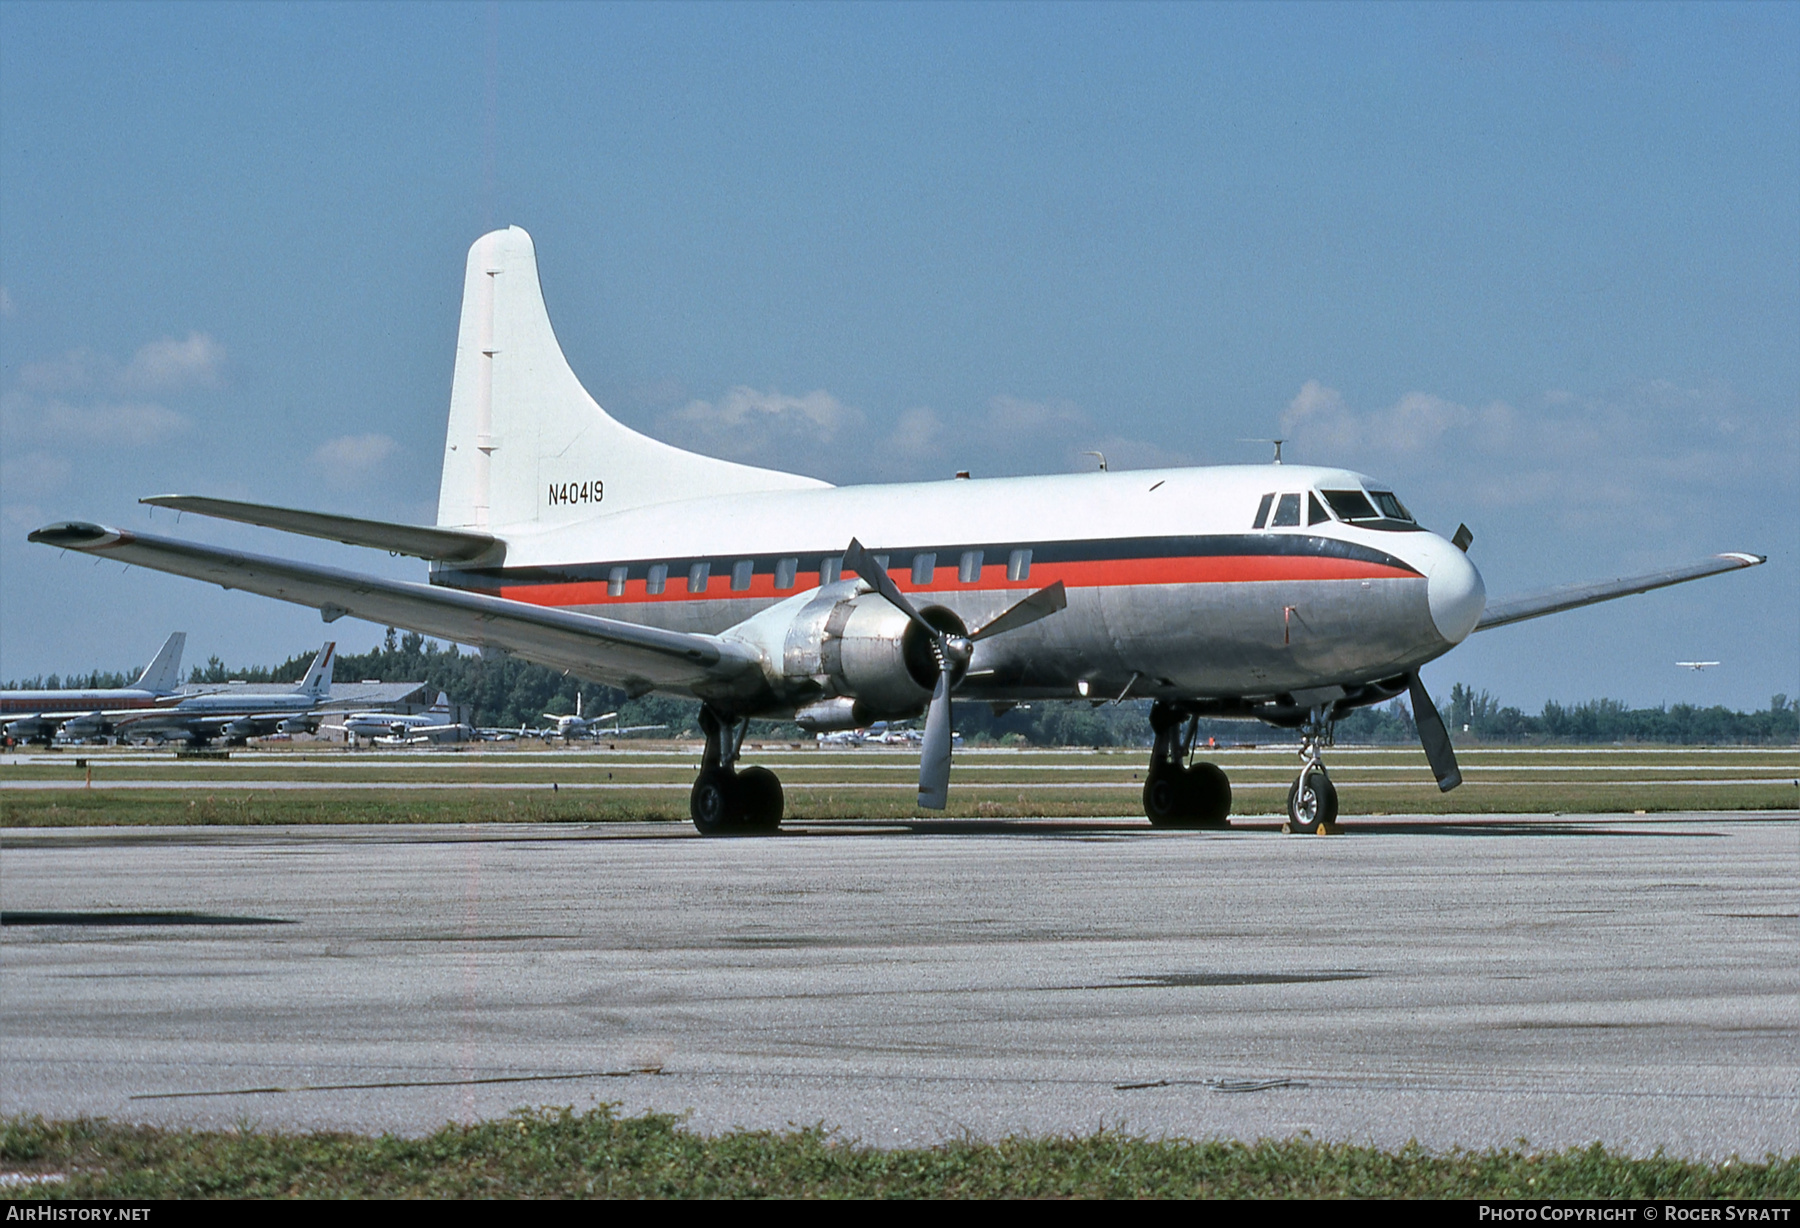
[405, 729]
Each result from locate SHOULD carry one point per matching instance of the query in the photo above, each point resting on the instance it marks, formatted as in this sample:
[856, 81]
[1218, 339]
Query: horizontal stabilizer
[419, 541]
[622, 654]
[1571, 596]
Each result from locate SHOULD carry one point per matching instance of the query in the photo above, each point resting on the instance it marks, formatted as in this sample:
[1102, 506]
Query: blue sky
[1537, 265]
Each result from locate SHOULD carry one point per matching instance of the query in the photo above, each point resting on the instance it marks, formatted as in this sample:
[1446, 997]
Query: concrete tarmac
[1463, 981]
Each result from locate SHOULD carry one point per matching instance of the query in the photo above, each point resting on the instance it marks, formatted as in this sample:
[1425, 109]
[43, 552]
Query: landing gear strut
[1312, 802]
[1177, 791]
[725, 801]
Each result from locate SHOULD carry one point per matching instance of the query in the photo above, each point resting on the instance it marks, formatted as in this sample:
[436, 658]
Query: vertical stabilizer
[527, 446]
[163, 674]
[317, 682]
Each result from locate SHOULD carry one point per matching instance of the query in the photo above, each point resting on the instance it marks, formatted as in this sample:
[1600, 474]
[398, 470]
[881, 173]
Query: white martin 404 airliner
[1289, 594]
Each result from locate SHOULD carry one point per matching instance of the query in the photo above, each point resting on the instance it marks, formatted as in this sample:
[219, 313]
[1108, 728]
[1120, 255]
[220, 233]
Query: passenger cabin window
[657, 579]
[1314, 513]
[615, 582]
[924, 568]
[741, 571]
[1018, 565]
[830, 569]
[1287, 512]
[1351, 505]
[785, 571]
[697, 576]
[968, 570]
[1262, 511]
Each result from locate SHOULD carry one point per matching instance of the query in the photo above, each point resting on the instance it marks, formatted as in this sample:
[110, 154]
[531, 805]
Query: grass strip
[214, 806]
[557, 1153]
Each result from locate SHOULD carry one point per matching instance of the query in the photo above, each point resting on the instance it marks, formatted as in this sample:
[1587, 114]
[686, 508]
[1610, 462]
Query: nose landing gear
[1177, 791]
[725, 801]
[1312, 802]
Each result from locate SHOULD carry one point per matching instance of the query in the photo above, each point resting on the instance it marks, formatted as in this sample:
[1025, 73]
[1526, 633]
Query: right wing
[420, 541]
[1571, 596]
[635, 658]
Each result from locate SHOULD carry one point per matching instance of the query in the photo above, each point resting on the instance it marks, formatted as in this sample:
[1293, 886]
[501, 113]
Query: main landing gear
[1312, 801]
[1177, 791]
[725, 801]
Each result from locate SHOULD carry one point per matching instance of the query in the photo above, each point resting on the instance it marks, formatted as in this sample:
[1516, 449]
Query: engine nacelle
[847, 643]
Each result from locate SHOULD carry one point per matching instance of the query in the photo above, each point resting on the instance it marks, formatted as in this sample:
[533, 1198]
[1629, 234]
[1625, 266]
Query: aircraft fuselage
[1174, 590]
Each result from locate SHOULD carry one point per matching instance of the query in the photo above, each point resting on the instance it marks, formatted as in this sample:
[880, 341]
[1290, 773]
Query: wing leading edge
[1572, 596]
[626, 655]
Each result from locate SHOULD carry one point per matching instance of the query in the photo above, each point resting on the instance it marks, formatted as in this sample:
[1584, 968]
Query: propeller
[952, 653]
[1433, 736]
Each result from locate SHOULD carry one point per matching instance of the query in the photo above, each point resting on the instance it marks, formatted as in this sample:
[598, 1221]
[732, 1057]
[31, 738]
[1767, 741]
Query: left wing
[637, 659]
[1571, 596]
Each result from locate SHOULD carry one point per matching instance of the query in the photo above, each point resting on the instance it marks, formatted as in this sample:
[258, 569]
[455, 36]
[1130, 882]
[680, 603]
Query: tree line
[504, 692]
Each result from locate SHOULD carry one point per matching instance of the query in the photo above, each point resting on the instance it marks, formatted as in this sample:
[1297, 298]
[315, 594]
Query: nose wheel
[1312, 801]
[725, 801]
[1177, 791]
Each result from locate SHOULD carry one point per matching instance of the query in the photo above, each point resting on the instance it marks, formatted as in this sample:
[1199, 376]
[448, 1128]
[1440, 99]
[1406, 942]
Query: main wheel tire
[1312, 803]
[1209, 795]
[716, 803]
[760, 792]
[1166, 796]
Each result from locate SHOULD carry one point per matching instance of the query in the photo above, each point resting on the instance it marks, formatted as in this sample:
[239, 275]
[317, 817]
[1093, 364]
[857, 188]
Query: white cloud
[350, 459]
[1645, 461]
[820, 434]
[168, 364]
[122, 424]
[33, 474]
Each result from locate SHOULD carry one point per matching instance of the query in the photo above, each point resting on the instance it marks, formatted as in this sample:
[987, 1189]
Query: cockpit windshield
[1356, 506]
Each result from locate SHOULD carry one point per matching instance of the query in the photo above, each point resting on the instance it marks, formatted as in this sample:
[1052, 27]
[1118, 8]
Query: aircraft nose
[1455, 591]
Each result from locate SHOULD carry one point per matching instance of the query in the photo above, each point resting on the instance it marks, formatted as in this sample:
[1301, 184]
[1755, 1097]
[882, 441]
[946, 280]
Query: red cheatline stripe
[1111, 573]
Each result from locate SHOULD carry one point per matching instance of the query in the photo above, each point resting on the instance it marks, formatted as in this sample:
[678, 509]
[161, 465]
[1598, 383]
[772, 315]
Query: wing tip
[76, 535]
[1744, 558]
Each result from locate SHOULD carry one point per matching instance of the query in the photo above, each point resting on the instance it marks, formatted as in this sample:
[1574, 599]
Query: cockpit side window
[1314, 513]
[1287, 512]
[1390, 507]
[1262, 512]
[1351, 505]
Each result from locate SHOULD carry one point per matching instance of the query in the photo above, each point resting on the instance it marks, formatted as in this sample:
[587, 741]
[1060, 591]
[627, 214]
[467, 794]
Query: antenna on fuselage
[1102, 457]
[1276, 442]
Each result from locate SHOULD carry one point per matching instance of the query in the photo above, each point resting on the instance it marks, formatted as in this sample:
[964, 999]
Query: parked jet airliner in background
[38, 716]
[1285, 593]
[236, 713]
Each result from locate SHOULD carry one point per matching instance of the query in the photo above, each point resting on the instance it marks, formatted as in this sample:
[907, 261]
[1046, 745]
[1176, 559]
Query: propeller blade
[934, 752]
[875, 575]
[1041, 604]
[1433, 736]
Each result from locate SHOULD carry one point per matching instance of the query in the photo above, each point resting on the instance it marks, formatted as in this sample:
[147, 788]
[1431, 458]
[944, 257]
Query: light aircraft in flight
[38, 716]
[1283, 593]
[236, 714]
[1696, 666]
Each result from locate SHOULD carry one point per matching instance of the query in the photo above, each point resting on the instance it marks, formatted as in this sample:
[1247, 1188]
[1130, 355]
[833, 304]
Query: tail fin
[163, 674]
[527, 446]
[442, 706]
[317, 682]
